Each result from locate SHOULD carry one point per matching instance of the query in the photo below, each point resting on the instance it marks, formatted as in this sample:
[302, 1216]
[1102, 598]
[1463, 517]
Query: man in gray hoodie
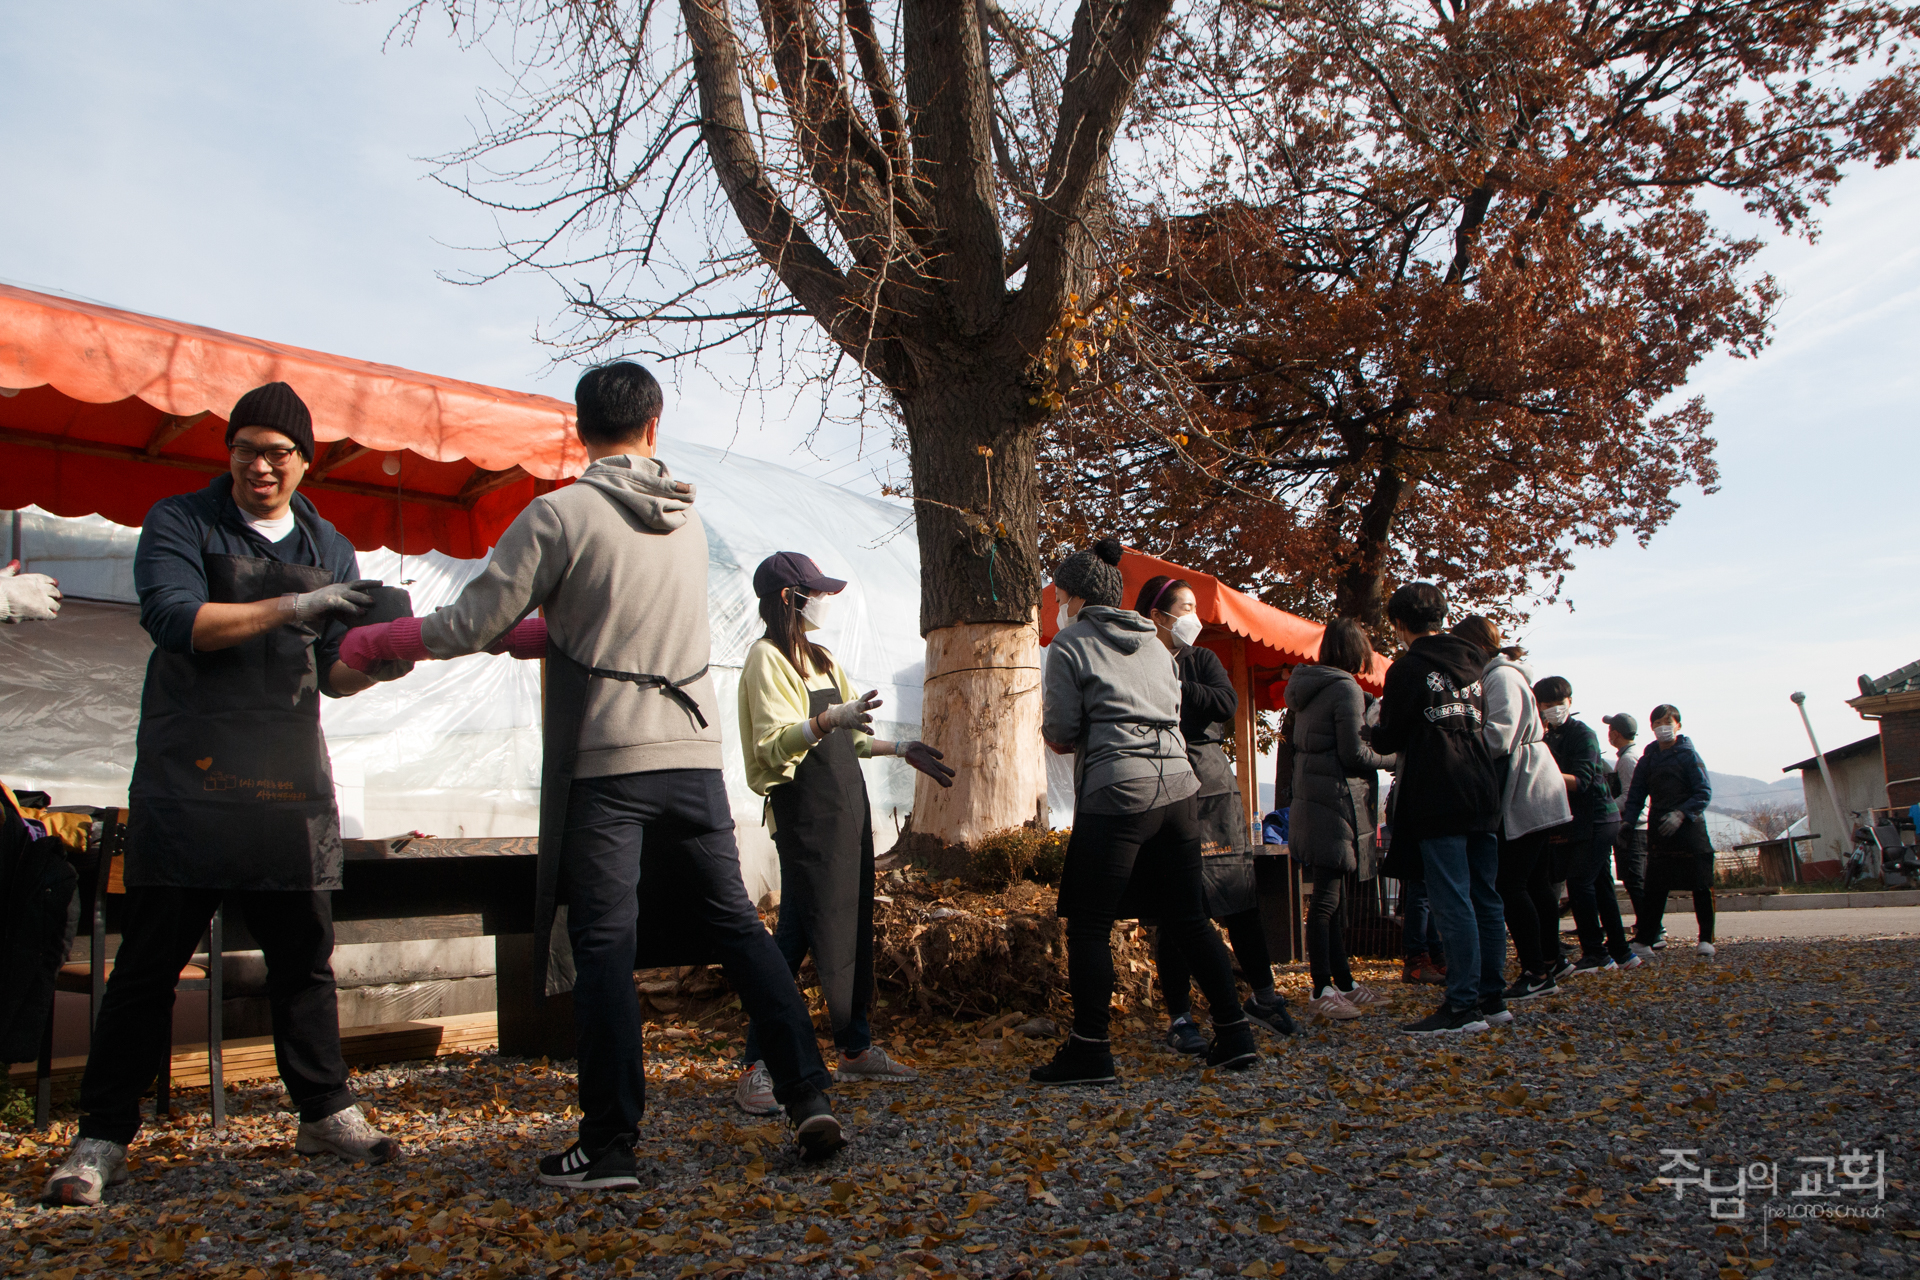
[619, 563]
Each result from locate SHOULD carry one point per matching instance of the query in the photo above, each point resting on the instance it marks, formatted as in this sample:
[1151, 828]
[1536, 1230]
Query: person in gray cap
[1112, 701]
[1630, 842]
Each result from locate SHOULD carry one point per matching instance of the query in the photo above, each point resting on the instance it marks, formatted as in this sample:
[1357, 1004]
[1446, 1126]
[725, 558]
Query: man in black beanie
[245, 591]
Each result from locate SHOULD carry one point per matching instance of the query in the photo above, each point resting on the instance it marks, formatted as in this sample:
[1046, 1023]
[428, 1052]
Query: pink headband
[1159, 595]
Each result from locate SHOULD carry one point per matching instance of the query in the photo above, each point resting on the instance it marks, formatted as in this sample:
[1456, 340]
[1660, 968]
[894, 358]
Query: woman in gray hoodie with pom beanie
[1112, 700]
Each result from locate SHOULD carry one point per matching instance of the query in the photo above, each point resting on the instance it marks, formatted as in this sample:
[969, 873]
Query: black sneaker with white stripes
[612, 1169]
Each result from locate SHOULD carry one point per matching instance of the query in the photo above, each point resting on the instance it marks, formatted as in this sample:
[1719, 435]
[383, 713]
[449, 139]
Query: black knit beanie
[1093, 575]
[277, 407]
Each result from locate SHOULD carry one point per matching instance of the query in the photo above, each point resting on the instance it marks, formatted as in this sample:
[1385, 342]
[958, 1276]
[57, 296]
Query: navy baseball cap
[785, 569]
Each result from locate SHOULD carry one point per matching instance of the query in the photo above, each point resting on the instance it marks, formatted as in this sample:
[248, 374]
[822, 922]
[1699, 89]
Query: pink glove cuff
[528, 640]
[364, 648]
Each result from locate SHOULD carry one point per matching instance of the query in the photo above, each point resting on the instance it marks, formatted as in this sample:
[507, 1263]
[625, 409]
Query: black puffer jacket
[1431, 715]
[1334, 772]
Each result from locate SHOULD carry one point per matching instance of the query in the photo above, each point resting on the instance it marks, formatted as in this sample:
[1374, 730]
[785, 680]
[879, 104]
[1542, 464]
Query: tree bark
[972, 439]
[1361, 590]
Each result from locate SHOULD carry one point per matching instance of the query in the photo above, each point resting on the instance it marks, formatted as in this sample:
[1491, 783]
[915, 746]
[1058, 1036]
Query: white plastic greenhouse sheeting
[454, 749]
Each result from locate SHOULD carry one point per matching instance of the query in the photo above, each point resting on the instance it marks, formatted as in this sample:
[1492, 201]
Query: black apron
[823, 830]
[232, 788]
[1226, 853]
[667, 932]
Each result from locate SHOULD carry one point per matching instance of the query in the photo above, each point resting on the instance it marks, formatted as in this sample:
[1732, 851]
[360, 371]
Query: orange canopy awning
[105, 412]
[1276, 640]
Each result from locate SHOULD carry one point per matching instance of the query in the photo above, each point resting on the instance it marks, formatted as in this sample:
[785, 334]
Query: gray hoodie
[619, 560]
[1534, 797]
[1112, 692]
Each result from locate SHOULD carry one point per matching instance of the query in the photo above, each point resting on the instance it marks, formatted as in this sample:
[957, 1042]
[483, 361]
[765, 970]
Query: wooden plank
[171, 427]
[1243, 735]
[338, 455]
[481, 483]
[404, 849]
[252, 1058]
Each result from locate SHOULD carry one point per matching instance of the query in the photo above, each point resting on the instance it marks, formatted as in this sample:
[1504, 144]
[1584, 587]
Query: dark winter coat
[1431, 716]
[1335, 780]
[1668, 779]
[1576, 749]
[1207, 707]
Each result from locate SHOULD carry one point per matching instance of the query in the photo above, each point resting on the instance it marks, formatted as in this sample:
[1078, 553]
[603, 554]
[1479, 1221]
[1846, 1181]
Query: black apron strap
[675, 689]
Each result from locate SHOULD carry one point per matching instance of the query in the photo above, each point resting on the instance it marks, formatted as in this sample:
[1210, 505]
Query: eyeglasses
[277, 456]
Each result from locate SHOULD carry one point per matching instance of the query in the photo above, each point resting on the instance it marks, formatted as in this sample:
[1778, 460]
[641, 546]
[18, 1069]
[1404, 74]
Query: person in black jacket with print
[1448, 801]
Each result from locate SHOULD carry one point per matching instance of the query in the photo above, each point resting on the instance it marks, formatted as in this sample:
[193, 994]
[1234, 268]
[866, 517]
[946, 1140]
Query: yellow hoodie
[774, 711]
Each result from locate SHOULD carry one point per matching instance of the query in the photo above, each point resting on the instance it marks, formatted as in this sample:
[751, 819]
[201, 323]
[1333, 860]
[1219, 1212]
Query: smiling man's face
[267, 468]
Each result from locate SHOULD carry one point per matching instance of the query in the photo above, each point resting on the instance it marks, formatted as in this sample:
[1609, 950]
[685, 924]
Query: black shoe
[815, 1130]
[610, 1170]
[1560, 969]
[1529, 986]
[1274, 1017]
[1494, 1010]
[1233, 1046]
[1079, 1061]
[1446, 1022]
[1659, 942]
[1594, 964]
[1184, 1037]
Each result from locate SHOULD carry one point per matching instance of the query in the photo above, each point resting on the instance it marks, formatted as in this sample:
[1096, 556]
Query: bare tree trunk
[1361, 589]
[972, 439]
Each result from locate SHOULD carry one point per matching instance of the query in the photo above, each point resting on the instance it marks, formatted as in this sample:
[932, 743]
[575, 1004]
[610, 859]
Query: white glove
[27, 596]
[1670, 823]
[857, 714]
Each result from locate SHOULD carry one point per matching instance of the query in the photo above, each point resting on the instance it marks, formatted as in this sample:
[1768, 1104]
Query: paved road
[1855, 922]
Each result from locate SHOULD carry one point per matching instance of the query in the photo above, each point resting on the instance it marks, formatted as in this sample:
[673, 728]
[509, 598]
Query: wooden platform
[252, 1058]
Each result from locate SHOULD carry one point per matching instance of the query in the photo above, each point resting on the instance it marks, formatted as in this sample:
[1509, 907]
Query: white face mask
[1060, 618]
[1186, 629]
[1557, 715]
[1666, 733]
[815, 612]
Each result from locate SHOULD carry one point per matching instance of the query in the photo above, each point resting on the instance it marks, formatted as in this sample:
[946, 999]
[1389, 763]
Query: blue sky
[257, 168]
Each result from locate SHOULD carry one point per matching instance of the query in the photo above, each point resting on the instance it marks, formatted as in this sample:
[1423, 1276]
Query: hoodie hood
[1124, 629]
[643, 486]
[1502, 660]
[1308, 682]
[1464, 662]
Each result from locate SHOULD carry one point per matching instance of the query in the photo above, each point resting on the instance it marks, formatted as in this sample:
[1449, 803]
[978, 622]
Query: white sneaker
[754, 1092]
[872, 1063]
[1704, 949]
[93, 1165]
[1332, 1005]
[1641, 949]
[346, 1134]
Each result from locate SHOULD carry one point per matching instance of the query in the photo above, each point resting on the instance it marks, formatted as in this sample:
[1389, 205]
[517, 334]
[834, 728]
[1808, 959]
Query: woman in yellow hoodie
[803, 733]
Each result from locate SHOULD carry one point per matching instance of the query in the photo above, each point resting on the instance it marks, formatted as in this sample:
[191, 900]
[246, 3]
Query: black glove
[386, 671]
[347, 598]
[1671, 823]
[927, 760]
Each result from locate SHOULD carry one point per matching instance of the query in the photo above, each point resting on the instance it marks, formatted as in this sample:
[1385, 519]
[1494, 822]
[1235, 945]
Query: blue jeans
[1417, 929]
[1461, 875]
[791, 936]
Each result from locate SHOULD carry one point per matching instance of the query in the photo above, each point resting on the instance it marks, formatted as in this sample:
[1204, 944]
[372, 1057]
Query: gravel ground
[1352, 1149]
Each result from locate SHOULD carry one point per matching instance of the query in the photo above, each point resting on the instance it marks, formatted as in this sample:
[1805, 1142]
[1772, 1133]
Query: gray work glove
[1671, 822]
[347, 598]
[927, 760]
[857, 714]
[27, 597]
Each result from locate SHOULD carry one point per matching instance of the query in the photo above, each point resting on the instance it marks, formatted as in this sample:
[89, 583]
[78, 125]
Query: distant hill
[1732, 792]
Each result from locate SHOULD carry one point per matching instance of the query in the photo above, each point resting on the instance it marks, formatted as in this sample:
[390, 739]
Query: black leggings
[1156, 854]
[1533, 912]
[1327, 932]
[1664, 875]
[1249, 948]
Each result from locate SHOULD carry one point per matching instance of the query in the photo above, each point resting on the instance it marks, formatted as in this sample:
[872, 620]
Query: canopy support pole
[1243, 736]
